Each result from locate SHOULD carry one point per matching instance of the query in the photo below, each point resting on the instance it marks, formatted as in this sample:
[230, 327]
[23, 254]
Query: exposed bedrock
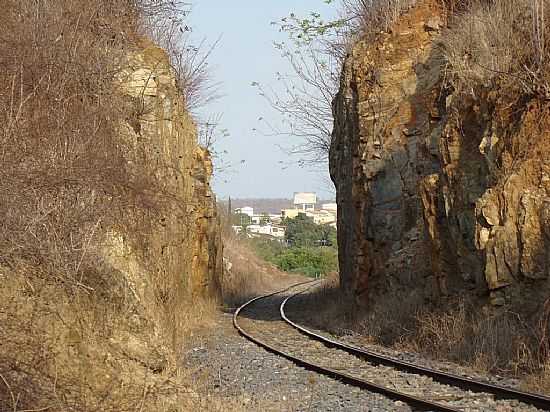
[440, 193]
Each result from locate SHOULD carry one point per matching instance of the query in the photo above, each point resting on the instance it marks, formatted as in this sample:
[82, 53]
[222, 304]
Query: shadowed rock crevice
[441, 193]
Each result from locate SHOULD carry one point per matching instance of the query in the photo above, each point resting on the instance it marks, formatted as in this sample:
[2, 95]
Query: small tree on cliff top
[314, 53]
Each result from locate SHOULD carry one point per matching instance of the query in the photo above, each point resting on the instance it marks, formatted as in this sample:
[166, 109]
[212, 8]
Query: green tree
[308, 260]
[302, 231]
[264, 219]
[241, 219]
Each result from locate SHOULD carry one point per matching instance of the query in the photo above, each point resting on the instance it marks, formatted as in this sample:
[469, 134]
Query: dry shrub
[167, 28]
[248, 275]
[501, 342]
[498, 342]
[501, 44]
[64, 172]
[90, 351]
[370, 17]
[60, 349]
[458, 335]
[67, 178]
[539, 382]
[493, 43]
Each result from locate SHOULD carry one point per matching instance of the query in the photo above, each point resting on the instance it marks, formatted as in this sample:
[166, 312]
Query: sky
[245, 54]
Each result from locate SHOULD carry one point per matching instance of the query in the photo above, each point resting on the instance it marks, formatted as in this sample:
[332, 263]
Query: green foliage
[304, 30]
[310, 249]
[311, 261]
[240, 219]
[302, 232]
[267, 249]
[264, 219]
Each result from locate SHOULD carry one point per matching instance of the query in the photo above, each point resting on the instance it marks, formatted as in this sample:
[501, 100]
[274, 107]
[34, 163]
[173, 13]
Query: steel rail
[418, 404]
[499, 392]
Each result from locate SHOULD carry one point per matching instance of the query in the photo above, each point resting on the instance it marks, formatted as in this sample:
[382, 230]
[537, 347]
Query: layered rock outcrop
[111, 339]
[440, 192]
[179, 258]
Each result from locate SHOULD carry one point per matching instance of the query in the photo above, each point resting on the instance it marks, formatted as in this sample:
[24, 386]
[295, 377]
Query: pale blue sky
[244, 55]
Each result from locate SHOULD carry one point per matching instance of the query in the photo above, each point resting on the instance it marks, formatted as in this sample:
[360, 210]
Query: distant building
[305, 201]
[275, 218]
[247, 210]
[262, 219]
[323, 217]
[331, 207]
[268, 230]
[290, 213]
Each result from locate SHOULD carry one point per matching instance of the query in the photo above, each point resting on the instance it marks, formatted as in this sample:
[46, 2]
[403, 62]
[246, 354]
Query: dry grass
[249, 275]
[370, 17]
[539, 382]
[89, 352]
[487, 341]
[501, 342]
[75, 335]
[501, 44]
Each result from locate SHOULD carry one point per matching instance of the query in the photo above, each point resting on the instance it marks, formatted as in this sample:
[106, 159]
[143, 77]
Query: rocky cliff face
[179, 257]
[440, 192]
[112, 341]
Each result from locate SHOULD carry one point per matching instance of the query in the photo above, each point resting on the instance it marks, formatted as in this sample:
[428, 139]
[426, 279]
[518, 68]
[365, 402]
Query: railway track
[263, 320]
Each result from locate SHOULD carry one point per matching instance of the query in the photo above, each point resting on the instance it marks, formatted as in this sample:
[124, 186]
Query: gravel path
[227, 365]
[231, 367]
[298, 310]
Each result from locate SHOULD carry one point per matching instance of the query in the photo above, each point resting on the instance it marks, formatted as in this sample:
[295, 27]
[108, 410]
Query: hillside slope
[110, 240]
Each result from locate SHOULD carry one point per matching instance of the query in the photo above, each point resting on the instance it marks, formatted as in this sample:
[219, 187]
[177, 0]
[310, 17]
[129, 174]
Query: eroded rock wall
[111, 340]
[439, 192]
[178, 259]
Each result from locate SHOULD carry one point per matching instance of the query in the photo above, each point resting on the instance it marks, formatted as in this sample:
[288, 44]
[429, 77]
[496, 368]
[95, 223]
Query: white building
[305, 201]
[269, 230]
[275, 218]
[331, 207]
[264, 218]
[247, 210]
[322, 217]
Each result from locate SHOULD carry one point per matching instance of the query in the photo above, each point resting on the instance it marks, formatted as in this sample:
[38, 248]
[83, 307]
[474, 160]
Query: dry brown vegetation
[249, 275]
[73, 335]
[501, 44]
[59, 113]
[65, 171]
[463, 332]
[370, 17]
[500, 342]
[65, 351]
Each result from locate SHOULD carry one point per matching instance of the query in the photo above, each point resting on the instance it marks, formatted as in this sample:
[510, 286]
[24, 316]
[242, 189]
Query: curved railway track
[263, 320]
